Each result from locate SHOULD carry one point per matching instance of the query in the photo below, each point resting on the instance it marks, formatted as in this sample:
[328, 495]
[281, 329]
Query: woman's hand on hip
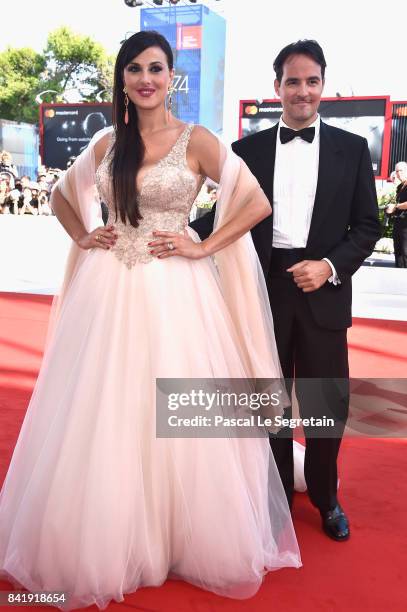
[168, 244]
[100, 238]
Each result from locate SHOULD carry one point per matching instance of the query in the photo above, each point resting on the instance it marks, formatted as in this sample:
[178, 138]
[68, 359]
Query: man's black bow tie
[287, 134]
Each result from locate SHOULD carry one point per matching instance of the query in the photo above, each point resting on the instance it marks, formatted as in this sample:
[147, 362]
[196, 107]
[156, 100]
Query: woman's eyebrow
[151, 63]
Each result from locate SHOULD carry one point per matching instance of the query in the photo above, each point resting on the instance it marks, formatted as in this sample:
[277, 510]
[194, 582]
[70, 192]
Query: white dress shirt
[295, 185]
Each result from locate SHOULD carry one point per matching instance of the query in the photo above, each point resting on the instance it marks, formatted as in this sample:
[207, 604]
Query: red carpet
[366, 573]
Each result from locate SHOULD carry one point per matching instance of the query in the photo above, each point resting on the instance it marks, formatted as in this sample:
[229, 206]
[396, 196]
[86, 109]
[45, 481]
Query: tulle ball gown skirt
[94, 504]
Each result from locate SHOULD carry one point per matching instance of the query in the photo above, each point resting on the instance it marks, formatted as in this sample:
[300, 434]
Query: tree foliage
[71, 64]
[20, 75]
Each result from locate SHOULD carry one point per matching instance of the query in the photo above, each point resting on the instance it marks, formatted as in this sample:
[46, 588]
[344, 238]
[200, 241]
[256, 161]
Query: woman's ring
[97, 237]
[170, 246]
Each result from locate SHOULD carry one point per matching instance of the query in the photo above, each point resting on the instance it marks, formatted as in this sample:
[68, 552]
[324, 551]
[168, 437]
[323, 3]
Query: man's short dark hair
[302, 47]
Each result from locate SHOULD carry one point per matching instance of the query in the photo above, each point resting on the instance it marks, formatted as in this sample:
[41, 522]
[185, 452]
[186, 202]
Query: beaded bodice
[166, 195]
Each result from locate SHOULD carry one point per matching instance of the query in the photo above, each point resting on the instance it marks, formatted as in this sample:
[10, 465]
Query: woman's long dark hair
[128, 150]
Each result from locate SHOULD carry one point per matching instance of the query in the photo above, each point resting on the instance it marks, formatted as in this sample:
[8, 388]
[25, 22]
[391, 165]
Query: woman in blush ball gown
[94, 503]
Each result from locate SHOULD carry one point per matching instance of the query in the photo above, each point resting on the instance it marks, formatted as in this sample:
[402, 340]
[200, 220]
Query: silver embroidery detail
[167, 193]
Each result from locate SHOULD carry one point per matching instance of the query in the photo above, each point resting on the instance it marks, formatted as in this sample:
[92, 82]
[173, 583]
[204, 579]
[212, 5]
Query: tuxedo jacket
[344, 225]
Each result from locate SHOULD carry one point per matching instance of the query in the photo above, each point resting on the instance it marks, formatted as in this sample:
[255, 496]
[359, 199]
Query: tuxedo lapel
[330, 173]
[264, 161]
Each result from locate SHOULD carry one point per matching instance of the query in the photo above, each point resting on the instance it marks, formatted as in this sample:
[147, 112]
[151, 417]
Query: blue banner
[197, 37]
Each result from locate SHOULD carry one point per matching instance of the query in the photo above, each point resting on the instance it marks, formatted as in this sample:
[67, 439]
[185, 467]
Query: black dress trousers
[318, 360]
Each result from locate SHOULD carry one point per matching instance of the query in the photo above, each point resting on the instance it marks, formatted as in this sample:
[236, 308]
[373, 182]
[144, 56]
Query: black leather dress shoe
[335, 524]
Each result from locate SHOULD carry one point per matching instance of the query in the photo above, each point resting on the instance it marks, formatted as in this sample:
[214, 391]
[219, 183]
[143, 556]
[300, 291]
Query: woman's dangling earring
[126, 104]
[171, 90]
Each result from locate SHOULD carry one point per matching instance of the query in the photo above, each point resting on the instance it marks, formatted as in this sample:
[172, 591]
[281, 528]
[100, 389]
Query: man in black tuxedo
[324, 224]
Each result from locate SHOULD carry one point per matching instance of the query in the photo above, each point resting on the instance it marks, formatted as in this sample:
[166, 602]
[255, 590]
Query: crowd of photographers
[21, 195]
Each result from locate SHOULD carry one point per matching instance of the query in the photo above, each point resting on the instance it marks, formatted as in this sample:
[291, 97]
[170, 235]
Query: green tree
[20, 75]
[69, 62]
[73, 62]
[102, 81]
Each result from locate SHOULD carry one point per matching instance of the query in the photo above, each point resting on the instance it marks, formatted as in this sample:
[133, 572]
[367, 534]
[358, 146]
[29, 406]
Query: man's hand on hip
[310, 275]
